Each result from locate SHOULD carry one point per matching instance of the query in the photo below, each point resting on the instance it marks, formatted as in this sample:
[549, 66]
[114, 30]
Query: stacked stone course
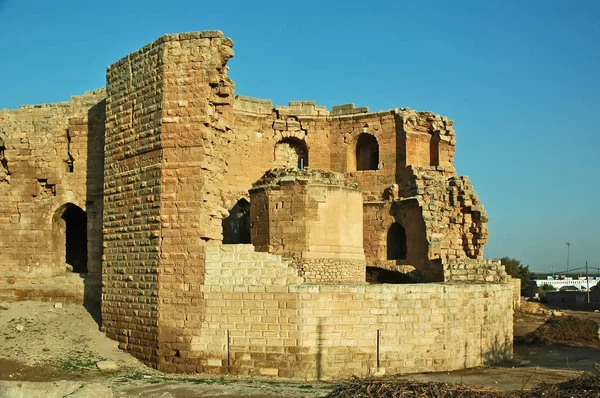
[51, 155]
[312, 217]
[160, 158]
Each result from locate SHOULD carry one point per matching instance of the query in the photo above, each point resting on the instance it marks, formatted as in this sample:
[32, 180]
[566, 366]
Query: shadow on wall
[92, 295]
[319, 357]
[236, 226]
[498, 352]
[377, 275]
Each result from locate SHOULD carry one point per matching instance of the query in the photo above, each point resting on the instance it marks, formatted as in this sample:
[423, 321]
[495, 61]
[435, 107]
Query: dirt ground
[48, 342]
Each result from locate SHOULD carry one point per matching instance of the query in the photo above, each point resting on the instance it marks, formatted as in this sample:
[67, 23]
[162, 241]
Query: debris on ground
[57, 389]
[532, 307]
[587, 385]
[107, 365]
[388, 387]
[65, 336]
[566, 330]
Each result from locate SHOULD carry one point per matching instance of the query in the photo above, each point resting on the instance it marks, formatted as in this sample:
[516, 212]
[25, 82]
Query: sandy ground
[45, 342]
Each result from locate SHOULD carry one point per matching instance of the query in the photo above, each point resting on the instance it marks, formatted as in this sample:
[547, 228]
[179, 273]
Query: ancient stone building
[229, 235]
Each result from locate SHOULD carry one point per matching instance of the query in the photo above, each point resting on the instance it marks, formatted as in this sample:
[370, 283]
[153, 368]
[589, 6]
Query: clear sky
[520, 79]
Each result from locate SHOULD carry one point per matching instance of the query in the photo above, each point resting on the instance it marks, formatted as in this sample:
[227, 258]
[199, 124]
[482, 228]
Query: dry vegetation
[585, 386]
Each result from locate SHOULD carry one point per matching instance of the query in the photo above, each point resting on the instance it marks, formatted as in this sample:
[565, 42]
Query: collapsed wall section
[454, 222]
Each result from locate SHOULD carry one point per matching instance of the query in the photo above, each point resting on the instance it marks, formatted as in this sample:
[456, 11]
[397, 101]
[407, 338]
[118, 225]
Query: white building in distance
[579, 282]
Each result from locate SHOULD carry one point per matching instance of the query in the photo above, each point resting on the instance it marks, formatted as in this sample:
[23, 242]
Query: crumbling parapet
[454, 222]
[314, 218]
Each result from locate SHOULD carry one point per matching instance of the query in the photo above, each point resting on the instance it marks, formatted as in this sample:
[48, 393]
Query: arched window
[396, 242]
[236, 227]
[367, 152]
[291, 152]
[71, 237]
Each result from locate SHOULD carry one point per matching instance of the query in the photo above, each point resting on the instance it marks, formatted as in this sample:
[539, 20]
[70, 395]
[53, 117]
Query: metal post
[587, 279]
[228, 353]
[568, 250]
[553, 268]
[378, 362]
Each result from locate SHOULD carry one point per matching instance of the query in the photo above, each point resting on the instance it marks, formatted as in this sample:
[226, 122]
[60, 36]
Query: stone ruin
[223, 234]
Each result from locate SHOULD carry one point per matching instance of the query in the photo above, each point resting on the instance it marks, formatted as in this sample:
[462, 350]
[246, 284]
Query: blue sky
[520, 79]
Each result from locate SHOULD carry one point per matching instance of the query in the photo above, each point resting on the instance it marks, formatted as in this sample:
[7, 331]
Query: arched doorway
[291, 152]
[396, 242]
[367, 152]
[236, 227]
[70, 235]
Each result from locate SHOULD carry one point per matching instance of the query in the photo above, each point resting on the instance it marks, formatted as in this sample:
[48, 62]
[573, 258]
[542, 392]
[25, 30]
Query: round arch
[291, 152]
[364, 153]
[69, 237]
[236, 226]
[396, 242]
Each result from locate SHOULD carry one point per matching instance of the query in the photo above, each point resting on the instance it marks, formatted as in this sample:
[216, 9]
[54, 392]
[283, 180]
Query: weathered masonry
[225, 234]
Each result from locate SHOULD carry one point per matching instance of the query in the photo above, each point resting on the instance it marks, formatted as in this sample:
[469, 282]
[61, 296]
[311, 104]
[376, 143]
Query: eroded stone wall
[196, 121]
[51, 159]
[179, 152]
[312, 217]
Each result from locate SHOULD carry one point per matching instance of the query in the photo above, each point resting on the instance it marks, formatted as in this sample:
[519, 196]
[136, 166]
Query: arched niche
[291, 152]
[70, 243]
[365, 155]
[236, 226]
[396, 242]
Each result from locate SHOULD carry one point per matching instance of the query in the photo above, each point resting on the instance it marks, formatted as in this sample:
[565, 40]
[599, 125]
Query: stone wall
[51, 160]
[239, 265]
[516, 282]
[332, 331]
[132, 195]
[159, 160]
[312, 217]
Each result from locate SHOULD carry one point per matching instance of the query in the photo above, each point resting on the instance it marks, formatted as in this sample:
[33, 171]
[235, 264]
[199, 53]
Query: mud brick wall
[314, 218]
[330, 331]
[132, 194]
[50, 157]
